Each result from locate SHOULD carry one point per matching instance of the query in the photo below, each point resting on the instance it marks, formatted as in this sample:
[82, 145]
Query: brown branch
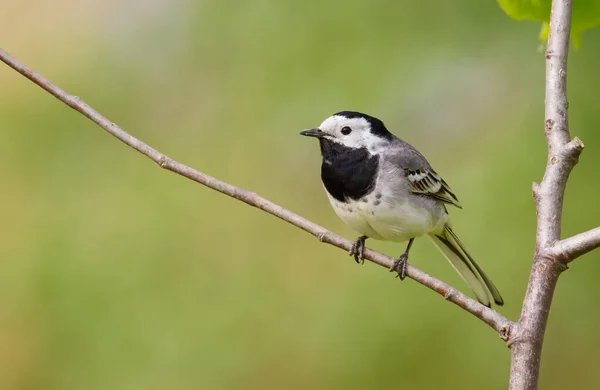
[571, 248]
[563, 154]
[485, 314]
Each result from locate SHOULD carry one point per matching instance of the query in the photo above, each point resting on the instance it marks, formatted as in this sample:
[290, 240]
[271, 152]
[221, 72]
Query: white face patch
[360, 135]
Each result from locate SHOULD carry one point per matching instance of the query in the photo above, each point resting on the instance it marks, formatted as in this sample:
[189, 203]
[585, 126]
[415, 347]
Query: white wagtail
[385, 189]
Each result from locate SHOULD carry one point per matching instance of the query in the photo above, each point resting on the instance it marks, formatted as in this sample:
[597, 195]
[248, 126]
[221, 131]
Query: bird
[385, 189]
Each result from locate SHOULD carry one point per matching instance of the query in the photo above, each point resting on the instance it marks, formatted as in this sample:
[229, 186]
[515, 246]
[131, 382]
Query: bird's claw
[400, 266]
[358, 250]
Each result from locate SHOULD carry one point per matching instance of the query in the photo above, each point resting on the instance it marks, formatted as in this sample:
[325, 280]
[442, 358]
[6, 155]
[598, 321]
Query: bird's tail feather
[454, 250]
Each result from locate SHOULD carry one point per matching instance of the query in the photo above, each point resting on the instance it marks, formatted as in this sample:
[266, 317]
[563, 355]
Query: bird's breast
[389, 213]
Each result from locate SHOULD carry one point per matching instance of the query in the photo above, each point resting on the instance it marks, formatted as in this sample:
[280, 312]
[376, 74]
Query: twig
[571, 248]
[491, 317]
[550, 255]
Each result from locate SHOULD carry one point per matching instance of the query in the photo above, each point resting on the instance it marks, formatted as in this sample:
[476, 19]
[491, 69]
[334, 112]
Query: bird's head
[353, 130]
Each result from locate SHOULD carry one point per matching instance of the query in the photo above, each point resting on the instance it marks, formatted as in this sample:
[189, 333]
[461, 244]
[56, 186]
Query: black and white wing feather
[427, 182]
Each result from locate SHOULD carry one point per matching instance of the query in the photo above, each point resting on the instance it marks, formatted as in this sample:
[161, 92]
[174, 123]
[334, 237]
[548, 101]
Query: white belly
[389, 219]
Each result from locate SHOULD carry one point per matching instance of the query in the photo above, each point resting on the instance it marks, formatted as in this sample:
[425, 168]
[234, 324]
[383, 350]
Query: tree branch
[563, 154]
[494, 319]
[571, 248]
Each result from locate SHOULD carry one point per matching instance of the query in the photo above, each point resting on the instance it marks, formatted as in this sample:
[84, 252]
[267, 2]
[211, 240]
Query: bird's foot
[358, 250]
[400, 266]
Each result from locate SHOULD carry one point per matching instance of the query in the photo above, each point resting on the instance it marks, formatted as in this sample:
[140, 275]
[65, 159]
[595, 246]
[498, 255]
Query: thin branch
[571, 248]
[563, 153]
[491, 317]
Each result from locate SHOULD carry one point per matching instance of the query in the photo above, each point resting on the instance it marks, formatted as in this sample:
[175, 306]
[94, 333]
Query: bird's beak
[313, 133]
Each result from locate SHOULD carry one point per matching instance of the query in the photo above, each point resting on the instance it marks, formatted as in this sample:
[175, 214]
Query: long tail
[454, 250]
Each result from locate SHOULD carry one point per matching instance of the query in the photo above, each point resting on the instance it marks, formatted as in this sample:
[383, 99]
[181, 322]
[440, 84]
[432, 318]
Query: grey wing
[422, 179]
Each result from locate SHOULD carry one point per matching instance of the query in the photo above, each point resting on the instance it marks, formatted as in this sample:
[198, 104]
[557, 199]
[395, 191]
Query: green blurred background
[118, 275]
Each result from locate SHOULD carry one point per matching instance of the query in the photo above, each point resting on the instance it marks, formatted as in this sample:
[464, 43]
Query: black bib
[347, 173]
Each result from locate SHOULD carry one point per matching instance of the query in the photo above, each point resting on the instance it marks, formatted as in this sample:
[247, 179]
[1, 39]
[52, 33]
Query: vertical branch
[549, 194]
[528, 335]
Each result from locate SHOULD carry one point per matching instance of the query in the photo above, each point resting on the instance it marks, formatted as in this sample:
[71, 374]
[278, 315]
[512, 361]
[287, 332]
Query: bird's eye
[346, 130]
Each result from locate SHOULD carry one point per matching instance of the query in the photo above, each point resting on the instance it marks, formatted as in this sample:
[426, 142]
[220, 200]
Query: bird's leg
[400, 264]
[358, 249]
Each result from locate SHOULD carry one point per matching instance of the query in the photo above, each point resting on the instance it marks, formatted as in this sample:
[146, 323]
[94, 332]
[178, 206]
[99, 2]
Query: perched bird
[385, 189]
